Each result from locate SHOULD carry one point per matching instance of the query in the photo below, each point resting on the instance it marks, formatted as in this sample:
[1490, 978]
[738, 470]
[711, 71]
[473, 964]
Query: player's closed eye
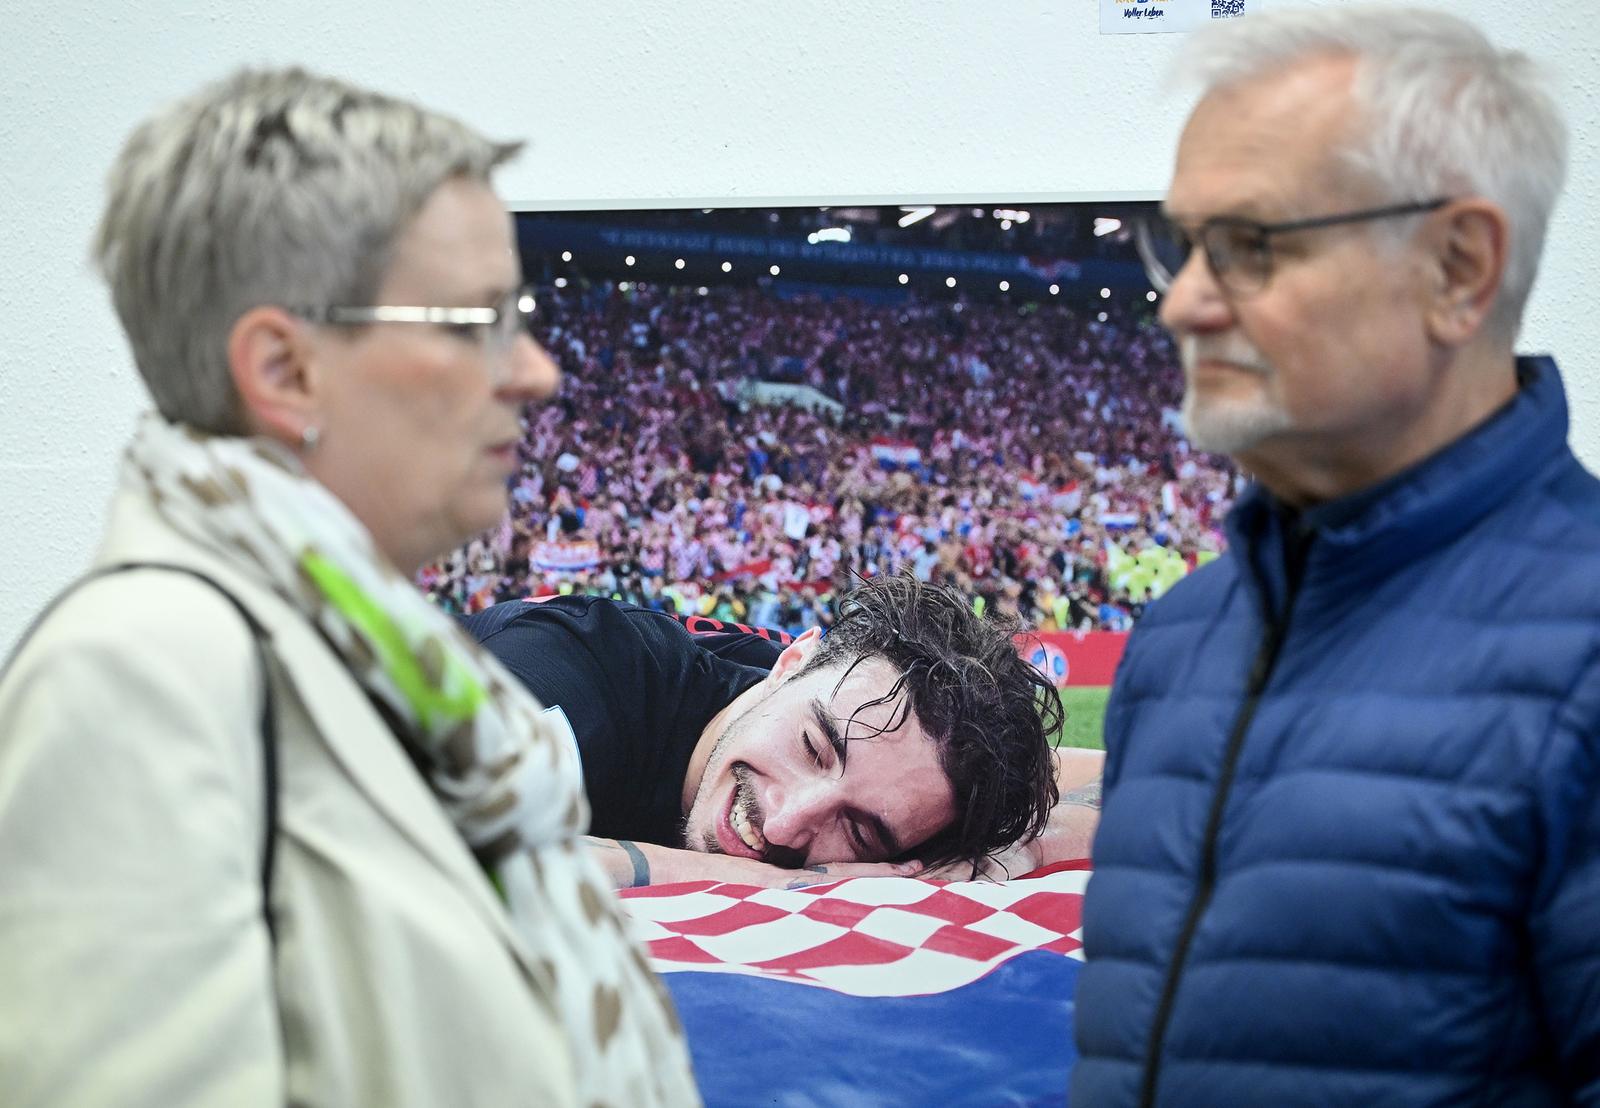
[812, 750]
[858, 839]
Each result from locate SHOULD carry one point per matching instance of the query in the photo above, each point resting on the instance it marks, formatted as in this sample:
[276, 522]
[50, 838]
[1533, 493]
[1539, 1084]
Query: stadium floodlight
[1151, 296]
[829, 234]
[1104, 225]
[773, 271]
[1012, 215]
[623, 286]
[1105, 294]
[561, 283]
[1005, 225]
[950, 282]
[727, 267]
[703, 291]
[1102, 317]
[628, 260]
[905, 278]
[1055, 290]
[679, 263]
[566, 255]
[525, 302]
[914, 215]
[1005, 286]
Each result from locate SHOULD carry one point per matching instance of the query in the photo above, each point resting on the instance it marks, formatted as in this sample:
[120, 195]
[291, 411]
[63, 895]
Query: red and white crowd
[1024, 453]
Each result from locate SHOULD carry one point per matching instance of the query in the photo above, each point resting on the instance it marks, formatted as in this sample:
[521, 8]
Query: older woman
[271, 829]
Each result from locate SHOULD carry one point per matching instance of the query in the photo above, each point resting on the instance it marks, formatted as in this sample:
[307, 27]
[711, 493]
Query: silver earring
[310, 436]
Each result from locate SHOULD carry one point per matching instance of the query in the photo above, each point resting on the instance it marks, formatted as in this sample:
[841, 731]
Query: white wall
[955, 98]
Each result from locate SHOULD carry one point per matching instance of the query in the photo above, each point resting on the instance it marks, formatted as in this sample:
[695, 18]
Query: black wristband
[641, 868]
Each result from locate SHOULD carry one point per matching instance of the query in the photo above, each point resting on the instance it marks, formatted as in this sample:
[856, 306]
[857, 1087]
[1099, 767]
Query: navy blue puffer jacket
[1350, 853]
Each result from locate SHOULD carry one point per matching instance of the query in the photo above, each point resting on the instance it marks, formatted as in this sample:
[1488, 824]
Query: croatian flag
[1068, 498]
[876, 992]
[893, 453]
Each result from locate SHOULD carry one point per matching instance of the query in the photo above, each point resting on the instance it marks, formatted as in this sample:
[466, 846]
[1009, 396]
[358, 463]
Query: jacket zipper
[1266, 661]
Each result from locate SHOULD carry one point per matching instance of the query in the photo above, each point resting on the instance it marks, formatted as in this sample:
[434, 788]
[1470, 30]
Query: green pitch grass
[1086, 710]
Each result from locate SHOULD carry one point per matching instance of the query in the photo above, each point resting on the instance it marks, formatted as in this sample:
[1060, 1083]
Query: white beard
[1228, 426]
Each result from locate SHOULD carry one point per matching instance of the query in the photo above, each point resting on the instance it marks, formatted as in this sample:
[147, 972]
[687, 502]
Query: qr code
[1226, 9]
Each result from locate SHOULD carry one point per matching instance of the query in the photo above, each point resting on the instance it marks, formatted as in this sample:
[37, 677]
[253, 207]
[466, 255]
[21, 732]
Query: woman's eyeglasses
[496, 328]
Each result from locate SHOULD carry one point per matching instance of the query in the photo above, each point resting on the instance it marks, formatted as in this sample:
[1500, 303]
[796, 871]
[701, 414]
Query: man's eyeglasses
[1239, 251]
[496, 329]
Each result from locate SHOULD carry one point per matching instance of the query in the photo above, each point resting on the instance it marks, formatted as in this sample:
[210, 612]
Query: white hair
[1446, 113]
[268, 187]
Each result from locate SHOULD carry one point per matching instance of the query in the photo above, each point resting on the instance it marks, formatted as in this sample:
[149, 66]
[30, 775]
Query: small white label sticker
[1132, 17]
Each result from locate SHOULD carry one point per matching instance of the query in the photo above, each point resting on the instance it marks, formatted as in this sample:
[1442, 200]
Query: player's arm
[631, 864]
[1070, 832]
[1066, 837]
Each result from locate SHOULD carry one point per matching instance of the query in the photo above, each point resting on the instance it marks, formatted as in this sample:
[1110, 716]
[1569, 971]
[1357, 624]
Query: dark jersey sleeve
[634, 687]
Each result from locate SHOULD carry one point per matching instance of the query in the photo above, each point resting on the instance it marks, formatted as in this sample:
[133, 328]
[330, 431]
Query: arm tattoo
[807, 882]
[1084, 796]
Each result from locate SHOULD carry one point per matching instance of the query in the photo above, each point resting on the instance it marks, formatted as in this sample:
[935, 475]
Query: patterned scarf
[509, 781]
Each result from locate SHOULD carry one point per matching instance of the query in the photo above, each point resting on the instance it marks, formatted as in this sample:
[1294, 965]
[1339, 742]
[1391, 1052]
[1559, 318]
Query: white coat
[135, 963]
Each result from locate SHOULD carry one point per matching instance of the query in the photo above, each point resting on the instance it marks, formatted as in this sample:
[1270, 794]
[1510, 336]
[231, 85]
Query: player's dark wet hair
[989, 711]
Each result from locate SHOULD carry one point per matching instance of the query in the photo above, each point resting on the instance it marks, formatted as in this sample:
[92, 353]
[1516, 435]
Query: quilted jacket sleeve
[1565, 925]
[1114, 730]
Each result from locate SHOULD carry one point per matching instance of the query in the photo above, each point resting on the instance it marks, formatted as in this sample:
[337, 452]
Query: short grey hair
[1446, 112]
[269, 187]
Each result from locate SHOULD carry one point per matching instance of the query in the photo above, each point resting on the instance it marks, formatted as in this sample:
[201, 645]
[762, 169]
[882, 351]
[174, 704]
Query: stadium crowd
[1028, 454]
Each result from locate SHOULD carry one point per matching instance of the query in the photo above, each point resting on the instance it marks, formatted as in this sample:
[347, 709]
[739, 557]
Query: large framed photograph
[761, 404]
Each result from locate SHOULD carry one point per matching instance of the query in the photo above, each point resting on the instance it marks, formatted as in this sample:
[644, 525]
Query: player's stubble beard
[706, 842]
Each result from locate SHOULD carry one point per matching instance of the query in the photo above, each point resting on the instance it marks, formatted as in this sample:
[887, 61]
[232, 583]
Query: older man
[1350, 851]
